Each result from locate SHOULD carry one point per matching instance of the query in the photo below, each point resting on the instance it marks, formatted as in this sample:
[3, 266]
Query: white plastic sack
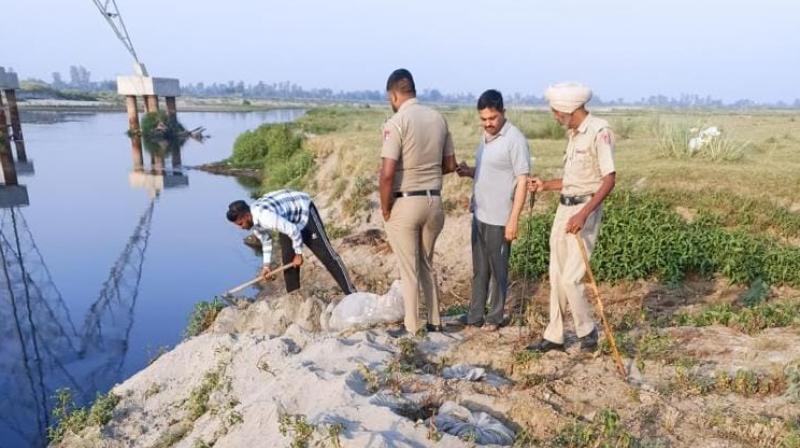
[363, 309]
[481, 427]
[463, 372]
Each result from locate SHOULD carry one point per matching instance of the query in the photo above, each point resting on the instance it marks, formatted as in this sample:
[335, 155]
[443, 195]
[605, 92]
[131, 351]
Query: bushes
[160, 126]
[72, 419]
[278, 150]
[641, 237]
[203, 315]
[253, 148]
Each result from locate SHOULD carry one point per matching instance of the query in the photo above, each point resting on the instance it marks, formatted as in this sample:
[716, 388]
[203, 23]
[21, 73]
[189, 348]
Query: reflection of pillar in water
[151, 103]
[158, 163]
[133, 114]
[16, 128]
[136, 152]
[6, 158]
[176, 159]
[172, 110]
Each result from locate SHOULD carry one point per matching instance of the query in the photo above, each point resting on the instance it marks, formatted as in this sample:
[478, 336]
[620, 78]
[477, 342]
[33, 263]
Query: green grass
[298, 428]
[604, 431]
[642, 238]
[202, 317]
[197, 403]
[73, 420]
[747, 319]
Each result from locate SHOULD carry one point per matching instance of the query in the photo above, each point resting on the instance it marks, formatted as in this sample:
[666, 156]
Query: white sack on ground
[363, 309]
[480, 426]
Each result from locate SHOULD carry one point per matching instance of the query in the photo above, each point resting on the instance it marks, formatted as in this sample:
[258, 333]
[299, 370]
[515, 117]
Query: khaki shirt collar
[407, 103]
[584, 125]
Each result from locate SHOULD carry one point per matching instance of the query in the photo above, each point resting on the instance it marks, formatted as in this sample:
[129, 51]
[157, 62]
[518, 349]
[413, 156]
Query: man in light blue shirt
[502, 164]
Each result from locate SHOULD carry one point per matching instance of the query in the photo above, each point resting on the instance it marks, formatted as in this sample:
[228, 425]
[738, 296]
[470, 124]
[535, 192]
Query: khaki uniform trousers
[567, 271]
[412, 229]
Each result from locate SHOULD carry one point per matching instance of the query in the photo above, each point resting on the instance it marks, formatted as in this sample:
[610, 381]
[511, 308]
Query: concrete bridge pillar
[16, 127]
[133, 114]
[151, 103]
[6, 158]
[172, 110]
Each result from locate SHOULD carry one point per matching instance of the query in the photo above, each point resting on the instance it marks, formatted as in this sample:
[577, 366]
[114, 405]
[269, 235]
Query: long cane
[607, 328]
[522, 308]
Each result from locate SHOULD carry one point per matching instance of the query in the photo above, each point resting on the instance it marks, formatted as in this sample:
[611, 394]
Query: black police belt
[575, 200]
[405, 194]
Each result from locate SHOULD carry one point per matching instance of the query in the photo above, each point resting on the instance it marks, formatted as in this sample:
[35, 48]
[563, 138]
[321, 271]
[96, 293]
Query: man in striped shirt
[293, 215]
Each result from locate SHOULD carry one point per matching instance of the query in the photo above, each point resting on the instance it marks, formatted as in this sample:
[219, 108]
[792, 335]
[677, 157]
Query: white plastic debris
[478, 426]
[703, 137]
[363, 309]
[463, 372]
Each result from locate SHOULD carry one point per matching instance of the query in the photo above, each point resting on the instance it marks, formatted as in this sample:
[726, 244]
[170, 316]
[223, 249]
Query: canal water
[103, 267]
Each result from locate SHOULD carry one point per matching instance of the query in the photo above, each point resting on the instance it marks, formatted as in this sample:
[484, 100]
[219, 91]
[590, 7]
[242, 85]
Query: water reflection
[97, 211]
[41, 350]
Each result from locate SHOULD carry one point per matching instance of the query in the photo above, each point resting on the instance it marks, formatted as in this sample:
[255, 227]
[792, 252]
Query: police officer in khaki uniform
[589, 176]
[417, 150]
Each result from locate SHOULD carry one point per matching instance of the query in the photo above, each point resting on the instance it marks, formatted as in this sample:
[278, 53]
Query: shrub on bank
[276, 149]
[642, 237]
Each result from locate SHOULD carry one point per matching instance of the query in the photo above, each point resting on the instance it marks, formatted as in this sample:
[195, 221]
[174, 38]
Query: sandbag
[479, 426]
[364, 309]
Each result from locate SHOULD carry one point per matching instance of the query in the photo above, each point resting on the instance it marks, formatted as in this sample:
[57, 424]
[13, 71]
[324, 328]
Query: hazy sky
[729, 49]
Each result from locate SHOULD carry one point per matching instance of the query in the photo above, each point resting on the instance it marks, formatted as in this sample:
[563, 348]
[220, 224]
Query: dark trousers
[490, 252]
[315, 238]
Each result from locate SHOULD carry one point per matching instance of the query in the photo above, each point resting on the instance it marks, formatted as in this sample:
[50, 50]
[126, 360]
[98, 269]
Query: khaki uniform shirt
[588, 158]
[416, 137]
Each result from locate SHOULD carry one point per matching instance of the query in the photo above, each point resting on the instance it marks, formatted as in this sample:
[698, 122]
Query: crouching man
[293, 215]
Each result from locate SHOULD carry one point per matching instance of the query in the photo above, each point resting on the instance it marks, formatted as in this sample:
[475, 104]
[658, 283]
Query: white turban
[567, 97]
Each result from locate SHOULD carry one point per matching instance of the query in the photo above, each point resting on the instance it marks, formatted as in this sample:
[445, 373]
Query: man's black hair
[236, 210]
[401, 81]
[491, 99]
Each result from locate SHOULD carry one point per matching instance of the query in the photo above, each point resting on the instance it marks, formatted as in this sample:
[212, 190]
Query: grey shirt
[498, 162]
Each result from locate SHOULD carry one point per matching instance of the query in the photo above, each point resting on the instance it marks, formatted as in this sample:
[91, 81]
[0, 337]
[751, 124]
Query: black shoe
[430, 328]
[589, 342]
[545, 346]
[463, 321]
[397, 332]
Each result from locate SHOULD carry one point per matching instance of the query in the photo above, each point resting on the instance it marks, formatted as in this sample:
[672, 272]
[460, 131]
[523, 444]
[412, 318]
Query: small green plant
[197, 403]
[523, 358]
[457, 309]
[298, 428]
[372, 379]
[334, 431]
[747, 319]
[73, 420]
[203, 315]
[605, 430]
[792, 373]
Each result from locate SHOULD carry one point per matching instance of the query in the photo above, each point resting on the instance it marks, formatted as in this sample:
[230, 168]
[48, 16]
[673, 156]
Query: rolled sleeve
[392, 140]
[604, 143]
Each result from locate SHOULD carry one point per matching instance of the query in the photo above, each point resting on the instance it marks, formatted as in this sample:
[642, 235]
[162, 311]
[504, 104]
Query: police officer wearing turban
[589, 176]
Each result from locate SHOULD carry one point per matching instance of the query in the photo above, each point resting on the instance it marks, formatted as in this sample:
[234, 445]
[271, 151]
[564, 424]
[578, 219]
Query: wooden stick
[522, 309]
[252, 282]
[606, 327]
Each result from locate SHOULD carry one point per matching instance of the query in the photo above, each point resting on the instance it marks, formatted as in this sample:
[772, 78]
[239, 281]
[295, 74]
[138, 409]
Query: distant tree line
[80, 80]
